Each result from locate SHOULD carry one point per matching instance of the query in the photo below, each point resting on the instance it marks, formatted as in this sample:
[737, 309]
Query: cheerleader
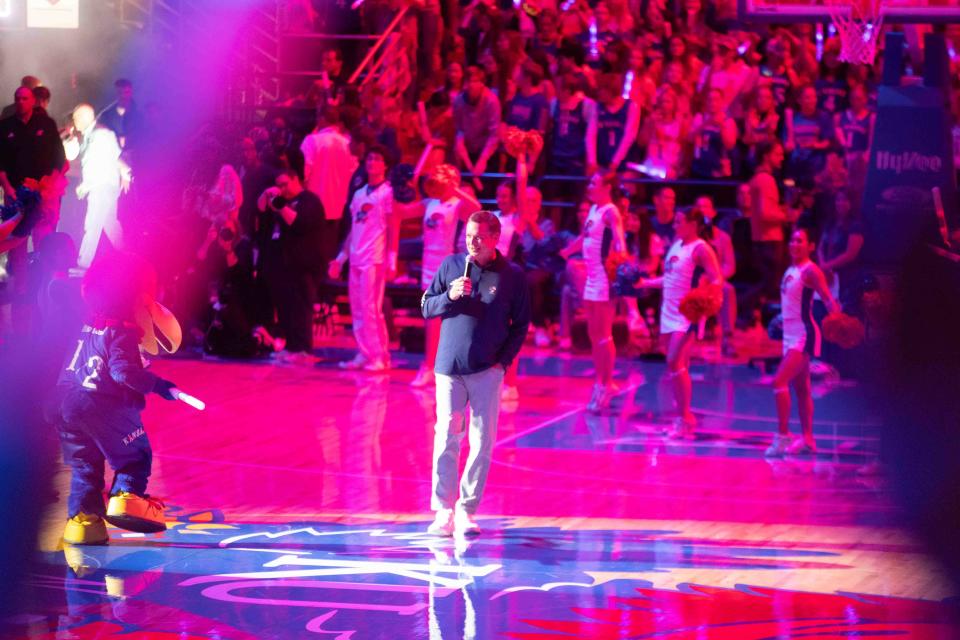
[441, 215]
[689, 257]
[602, 233]
[801, 341]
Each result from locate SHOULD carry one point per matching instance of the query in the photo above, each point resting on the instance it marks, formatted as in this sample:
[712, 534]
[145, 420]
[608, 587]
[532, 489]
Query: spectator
[30, 82]
[104, 175]
[29, 144]
[453, 81]
[617, 123]
[333, 81]
[543, 265]
[476, 115]
[854, 129]
[722, 245]
[723, 74]
[714, 135]
[547, 39]
[778, 74]
[328, 165]
[289, 261]
[255, 178]
[838, 252]
[42, 96]
[643, 90]
[807, 136]
[283, 152]
[761, 125]
[663, 136]
[370, 248]
[599, 33]
[509, 55]
[575, 279]
[665, 209]
[767, 219]
[232, 329]
[832, 88]
[122, 116]
[573, 139]
[674, 78]
[529, 108]
[509, 217]
[678, 50]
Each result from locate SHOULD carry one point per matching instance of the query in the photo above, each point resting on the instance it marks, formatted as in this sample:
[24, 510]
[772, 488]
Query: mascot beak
[160, 329]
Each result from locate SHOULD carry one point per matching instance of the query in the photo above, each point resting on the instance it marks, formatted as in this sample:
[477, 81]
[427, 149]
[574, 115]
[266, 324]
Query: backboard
[894, 11]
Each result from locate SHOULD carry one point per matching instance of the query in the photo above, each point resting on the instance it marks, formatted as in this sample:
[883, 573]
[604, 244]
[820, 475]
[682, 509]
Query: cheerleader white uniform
[800, 331]
[439, 234]
[508, 230]
[596, 244]
[680, 275]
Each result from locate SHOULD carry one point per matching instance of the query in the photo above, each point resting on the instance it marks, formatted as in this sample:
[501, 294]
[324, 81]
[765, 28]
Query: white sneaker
[602, 395]
[424, 378]
[376, 367]
[442, 524]
[509, 393]
[801, 447]
[464, 524]
[358, 362]
[682, 430]
[778, 448]
[541, 338]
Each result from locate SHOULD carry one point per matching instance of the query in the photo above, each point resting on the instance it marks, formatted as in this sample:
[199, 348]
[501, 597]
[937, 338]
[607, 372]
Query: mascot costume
[103, 384]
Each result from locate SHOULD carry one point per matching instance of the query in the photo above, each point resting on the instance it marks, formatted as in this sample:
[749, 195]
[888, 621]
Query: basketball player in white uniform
[373, 260]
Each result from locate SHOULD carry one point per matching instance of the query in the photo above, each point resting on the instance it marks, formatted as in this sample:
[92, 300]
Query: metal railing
[378, 44]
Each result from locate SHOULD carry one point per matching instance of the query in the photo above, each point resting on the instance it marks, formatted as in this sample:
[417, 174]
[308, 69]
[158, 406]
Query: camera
[278, 202]
[226, 234]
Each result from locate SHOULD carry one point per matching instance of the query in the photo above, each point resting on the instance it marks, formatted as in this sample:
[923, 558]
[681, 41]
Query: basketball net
[858, 24]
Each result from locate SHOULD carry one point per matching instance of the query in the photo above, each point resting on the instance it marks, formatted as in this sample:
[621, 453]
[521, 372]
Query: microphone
[466, 268]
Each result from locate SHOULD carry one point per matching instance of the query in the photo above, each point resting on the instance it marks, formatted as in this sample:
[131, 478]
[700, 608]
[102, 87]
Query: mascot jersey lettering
[106, 363]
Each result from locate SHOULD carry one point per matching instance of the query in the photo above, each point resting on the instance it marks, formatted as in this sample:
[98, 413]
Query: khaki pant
[482, 391]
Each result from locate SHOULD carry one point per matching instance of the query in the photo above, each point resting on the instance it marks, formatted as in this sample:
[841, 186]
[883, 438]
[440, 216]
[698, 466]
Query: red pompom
[50, 187]
[443, 177]
[614, 260]
[517, 141]
[843, 330]
[702, 302]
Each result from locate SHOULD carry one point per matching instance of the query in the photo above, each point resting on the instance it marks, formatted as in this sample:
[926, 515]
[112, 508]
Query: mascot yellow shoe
[135, 513]
[84, 528]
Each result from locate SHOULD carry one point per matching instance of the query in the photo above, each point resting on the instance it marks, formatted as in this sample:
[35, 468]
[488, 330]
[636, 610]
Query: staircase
[266, 56]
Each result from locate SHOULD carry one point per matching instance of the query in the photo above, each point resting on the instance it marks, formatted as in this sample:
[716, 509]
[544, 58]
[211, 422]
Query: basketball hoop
[858, 24]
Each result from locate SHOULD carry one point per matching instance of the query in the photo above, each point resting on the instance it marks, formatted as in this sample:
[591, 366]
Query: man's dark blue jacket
[485, 328]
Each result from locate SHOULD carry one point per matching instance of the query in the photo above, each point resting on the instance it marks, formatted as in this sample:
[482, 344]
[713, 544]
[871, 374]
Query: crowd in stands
[671, 98]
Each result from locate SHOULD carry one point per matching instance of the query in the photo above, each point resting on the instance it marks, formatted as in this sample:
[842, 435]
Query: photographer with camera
[233, 308]
[290, 258]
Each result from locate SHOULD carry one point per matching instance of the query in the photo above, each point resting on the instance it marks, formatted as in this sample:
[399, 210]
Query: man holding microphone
[484, 305]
